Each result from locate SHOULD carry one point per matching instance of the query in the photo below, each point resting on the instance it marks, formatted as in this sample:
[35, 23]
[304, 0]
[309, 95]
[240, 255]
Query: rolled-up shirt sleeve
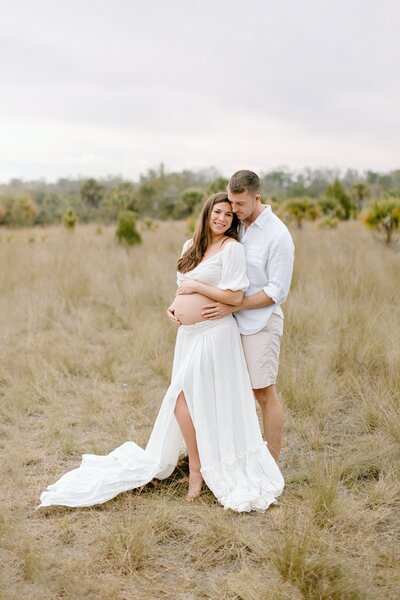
[280, 268]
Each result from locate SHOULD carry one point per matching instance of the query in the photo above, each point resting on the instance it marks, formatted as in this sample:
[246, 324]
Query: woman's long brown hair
[202, 235]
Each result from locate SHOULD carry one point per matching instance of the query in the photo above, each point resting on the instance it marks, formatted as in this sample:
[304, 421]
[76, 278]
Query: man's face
[243, 204]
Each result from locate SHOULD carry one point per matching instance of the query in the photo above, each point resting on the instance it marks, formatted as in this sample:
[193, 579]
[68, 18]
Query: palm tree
[383, 215]
[301, 209]
[336, 192]
[360, 192]
[92, 192]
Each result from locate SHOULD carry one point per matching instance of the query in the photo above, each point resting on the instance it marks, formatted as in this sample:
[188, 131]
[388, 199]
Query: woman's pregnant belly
[188, 307]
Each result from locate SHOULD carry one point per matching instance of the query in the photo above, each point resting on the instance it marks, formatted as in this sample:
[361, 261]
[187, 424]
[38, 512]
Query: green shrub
[149, 225]
[3, 212]
[92, 193]
[383, 215]
[337, 194]
[187, 203]
[328, 223]
[331, 208]
[123, 197]
[51, 209]
[300, 209]
[23, 211]
[360, 192]
[70, 219]
[126, 228]
[218, 185]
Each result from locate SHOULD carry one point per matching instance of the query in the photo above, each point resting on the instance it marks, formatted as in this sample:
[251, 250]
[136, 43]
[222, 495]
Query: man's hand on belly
[217, 310]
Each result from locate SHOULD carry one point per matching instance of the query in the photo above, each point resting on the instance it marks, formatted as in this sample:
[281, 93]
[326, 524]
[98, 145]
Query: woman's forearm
[233, 298]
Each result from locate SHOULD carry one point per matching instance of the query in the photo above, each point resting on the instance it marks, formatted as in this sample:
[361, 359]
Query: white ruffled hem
[246, 483]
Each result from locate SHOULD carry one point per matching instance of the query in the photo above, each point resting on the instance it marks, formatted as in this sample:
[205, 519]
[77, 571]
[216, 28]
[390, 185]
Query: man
[269, 257]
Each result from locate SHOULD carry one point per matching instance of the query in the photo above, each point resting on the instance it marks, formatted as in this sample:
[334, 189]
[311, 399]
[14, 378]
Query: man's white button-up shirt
[269, 258]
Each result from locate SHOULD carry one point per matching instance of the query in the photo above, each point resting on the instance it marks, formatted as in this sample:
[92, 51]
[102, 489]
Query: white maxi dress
[209, 367]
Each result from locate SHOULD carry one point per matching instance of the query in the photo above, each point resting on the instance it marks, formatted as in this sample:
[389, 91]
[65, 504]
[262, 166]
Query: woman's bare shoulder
[233, 243]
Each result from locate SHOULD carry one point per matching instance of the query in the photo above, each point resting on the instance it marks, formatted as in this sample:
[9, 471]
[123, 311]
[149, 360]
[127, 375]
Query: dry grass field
[85, 357]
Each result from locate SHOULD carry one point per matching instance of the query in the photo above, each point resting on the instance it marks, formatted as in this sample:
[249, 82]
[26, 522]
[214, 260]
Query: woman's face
[221, 217]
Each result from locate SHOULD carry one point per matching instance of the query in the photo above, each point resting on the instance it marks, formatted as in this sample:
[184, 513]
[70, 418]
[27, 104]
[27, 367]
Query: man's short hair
[243, 181]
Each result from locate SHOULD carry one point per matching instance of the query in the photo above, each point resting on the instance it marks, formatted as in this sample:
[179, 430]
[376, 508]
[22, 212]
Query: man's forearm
[257, 300]
[216, 310]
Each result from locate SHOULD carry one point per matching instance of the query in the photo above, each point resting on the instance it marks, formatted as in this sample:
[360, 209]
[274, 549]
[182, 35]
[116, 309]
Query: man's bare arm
[257, 300]
[216, 310]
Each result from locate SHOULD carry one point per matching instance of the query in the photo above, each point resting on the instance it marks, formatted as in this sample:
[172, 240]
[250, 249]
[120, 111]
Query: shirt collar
[263, 217]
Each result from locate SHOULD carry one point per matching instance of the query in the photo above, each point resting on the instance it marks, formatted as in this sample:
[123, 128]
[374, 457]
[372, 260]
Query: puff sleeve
[233, 275]
[186, 246]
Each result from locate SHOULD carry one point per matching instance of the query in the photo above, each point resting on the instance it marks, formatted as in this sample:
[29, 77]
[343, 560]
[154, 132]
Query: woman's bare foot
[195, 485]
[183, 480]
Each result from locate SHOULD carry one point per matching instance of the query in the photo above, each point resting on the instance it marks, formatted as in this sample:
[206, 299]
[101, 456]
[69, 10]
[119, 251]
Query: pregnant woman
[209, 402]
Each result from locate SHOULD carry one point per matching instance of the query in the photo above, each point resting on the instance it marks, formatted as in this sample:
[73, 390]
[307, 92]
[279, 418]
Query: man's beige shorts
[261, 350]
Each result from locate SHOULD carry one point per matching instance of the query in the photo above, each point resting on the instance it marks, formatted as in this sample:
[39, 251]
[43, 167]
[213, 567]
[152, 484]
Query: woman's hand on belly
[171, 314]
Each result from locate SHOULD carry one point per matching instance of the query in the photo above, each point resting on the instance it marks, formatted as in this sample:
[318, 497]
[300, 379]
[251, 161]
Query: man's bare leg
[272, 417]
[189, 435]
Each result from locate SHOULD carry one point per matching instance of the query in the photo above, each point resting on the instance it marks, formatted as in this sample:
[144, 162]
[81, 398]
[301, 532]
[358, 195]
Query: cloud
[115, 87]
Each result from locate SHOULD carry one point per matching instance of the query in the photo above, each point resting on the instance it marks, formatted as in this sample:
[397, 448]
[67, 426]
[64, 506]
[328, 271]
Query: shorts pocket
[275, 325]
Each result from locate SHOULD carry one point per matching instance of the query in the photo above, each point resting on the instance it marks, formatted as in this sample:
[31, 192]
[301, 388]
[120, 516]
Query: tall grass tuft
[303, 558]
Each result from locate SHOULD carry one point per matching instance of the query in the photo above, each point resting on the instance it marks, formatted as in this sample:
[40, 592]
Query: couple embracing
[219, 361]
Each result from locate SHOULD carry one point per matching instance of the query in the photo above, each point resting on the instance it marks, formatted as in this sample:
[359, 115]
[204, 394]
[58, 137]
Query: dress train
[209, 367]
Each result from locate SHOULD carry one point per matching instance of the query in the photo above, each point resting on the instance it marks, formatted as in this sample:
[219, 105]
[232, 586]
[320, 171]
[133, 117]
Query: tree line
[305, 194]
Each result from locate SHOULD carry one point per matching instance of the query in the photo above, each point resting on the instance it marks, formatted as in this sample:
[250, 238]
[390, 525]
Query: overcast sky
[115, 87]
